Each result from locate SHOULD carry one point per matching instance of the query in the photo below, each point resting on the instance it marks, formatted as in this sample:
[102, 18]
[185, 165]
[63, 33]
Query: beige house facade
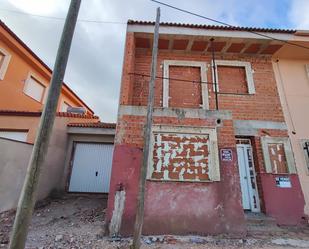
[291, 67]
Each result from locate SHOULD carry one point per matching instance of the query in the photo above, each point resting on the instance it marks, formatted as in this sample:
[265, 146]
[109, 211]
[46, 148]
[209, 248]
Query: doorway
[249, 191]
[92, 165]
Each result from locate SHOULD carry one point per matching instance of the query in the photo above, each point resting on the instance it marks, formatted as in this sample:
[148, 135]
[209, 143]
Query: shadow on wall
[14, 158]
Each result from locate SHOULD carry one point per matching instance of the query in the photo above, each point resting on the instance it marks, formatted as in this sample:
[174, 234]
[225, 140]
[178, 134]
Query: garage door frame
[71, 161]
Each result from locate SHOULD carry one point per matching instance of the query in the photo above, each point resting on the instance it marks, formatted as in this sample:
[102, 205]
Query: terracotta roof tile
[218, 27]
[94, 125]
[38, 114]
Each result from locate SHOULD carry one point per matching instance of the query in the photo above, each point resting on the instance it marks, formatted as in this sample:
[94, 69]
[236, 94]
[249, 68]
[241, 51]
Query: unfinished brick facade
[180, 175]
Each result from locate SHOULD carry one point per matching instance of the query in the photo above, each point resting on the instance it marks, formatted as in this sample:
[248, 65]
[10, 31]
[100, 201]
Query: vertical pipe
[147, 135]
[28, 193]
[215, 71]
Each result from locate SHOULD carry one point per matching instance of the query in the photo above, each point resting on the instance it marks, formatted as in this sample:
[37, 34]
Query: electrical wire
[176, 79]
[285, 97]
[190, 81]
[229, 25]
[62, 18]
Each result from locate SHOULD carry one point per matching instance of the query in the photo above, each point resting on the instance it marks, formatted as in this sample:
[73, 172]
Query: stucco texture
[293, 85]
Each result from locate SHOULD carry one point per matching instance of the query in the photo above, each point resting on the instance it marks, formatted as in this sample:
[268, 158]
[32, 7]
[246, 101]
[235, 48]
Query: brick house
[207, 163]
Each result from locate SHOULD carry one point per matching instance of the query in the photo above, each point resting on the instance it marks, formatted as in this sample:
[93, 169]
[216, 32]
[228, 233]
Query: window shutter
[34, 89]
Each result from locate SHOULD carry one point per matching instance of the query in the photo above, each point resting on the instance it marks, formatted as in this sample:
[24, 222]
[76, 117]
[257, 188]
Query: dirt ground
[78, 221]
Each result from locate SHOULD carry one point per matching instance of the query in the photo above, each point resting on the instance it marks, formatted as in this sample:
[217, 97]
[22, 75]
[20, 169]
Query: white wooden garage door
[92, 165]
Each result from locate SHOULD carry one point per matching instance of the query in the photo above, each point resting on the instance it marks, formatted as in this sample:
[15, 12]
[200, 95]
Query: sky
[95, 63]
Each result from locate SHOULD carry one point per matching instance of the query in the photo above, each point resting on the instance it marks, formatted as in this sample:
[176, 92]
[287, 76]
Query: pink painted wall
[178, 207]
[293, 85]
[286, 205]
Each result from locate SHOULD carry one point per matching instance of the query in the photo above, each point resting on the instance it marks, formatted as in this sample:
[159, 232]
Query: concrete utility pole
[147, 134]
[28, 193]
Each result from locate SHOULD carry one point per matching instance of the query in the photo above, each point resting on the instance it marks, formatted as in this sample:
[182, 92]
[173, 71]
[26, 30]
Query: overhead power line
[62, 18]
[229, 25]
[189, 81]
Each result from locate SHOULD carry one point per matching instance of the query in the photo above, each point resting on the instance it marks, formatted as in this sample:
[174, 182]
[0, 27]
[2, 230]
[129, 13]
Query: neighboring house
[206, 166]
[291, 66]
[80, 150]
[24, 83]
[78, 157]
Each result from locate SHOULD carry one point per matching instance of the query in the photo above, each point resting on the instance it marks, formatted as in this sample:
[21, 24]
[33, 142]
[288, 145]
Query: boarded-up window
[182, 157]
[188, 93]
[232, 79]
[277, 158]
[34, 89]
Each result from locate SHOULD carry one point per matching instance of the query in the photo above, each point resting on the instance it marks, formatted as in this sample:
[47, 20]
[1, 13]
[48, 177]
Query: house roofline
[38, 114]
[93, 125]
[213, 27]
[6, 28]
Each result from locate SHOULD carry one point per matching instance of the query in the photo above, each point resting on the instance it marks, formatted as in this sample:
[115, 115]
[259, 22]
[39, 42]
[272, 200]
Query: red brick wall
[190, 95]
[126, 91]
[232, 79]
[264, 105]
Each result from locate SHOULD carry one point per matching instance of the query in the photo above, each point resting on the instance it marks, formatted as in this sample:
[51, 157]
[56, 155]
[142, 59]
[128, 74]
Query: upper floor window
[182, 84]
[4, 62]
[234, 77]
[64, 106]
[34, 88]
[18, 135]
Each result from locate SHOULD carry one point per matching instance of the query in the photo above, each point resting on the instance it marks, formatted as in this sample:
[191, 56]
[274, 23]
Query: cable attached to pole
[229, 25]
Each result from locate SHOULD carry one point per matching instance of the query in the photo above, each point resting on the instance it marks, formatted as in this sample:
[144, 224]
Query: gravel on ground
[78, 222]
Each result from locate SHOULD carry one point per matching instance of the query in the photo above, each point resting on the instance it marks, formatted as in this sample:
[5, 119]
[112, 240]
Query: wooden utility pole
[147, 135]
[28, 193]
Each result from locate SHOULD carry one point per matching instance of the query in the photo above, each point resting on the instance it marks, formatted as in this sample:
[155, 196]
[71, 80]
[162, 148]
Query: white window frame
[16, 132]
[244, 64]
[64, 103]
[287, 150]
[302, 144]
[214, 165]
[43, 97]
[180, 63]
[5, 63]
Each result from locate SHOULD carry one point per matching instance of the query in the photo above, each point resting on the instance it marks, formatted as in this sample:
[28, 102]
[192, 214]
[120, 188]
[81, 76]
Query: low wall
[14, 157]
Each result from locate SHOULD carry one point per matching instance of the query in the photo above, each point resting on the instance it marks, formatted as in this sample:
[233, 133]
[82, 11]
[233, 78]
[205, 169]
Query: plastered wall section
[14, 158]
[293, 85]
[12, 96]
[206, 207]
